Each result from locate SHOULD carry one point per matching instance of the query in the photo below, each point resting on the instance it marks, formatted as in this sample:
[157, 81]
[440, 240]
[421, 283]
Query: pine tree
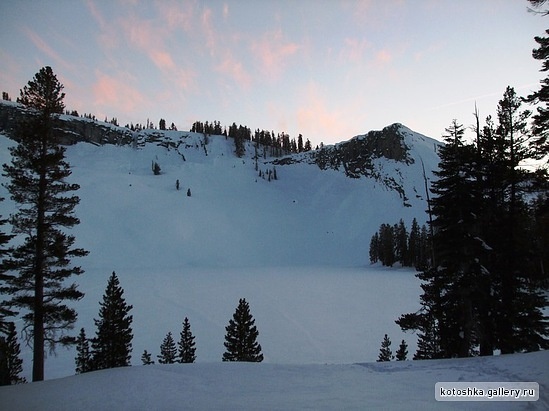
[83, 358]
[4, 252]
[414, 245]
[402, 351]
[540, 140]
[168, 350]
[112, 345]
[42, 264]
[187, 349]
[374, 248]
[241, 337]
[10, 363]
[401, 243]
[385, 352]
[146, 358]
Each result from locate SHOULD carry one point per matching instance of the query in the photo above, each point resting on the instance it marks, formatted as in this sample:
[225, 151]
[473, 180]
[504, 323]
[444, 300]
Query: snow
[408, 385]
[295, 248]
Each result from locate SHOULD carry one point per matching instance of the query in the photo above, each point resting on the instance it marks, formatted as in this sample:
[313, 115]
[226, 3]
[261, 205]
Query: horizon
[328, 72]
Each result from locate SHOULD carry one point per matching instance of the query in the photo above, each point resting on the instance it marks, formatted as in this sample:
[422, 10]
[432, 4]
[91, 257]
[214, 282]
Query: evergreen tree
[83, 358]
[401, 243]
[187, 349]
[40, 267]
[146, 358]
[414, 245]
[4, 252]
[11, 365]
[241, 337]
[385, 352]
[540, 140]
[113, 343]
[402, 352]
[386, 245]
[168, 350]
[374, 248]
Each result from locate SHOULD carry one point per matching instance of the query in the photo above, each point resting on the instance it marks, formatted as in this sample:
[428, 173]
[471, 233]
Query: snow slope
[295, 248]
[406, 385]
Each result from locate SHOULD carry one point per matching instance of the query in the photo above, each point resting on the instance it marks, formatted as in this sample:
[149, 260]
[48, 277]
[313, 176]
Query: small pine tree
[146, 358]
[241, 338]
[186, 344]
[168, 351]
[10, 363]
[83, 358]
[385, 352]
[402, 351]
[156, 168]
[112, 346]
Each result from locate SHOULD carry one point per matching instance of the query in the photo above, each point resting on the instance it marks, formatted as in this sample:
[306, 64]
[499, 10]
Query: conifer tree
[4, 252]
[540, 140]
[83, 358]
[168, 350]
[187, 349]
[402, 351]
[112, 345]
[11, 365]
[40, 267]
[146, 358]
[241, 337]
[385, 352]
[374, 248]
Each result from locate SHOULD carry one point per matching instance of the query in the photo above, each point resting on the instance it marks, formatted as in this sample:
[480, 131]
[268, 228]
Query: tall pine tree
[241, 337]
[187, 349]
[41, 265]
[112, 345]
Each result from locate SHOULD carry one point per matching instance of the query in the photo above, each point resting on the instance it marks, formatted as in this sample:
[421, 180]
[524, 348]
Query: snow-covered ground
[408, 385]
[295, 248]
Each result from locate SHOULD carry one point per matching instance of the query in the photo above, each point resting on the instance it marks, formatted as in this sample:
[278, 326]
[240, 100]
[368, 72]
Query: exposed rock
[70, 129]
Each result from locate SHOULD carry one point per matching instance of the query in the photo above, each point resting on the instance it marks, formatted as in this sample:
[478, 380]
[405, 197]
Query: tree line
[112, 345]
[394, 244]
[484, 286]
[274, 145]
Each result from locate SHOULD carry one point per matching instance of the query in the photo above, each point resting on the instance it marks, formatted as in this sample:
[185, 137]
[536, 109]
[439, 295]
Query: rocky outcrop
[69, 129]
[356, 155]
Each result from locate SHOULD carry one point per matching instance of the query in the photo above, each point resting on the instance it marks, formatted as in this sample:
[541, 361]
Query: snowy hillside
[406, 385]
[296, 248]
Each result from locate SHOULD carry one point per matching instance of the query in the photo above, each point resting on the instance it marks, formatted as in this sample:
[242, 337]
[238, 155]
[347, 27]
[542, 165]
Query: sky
[326, 69]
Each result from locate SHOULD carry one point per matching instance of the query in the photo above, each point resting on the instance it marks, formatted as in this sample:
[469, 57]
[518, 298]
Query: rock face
[70, 129]
[355, 156]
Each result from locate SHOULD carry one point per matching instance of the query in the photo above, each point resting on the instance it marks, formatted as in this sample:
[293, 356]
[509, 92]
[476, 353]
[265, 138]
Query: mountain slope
[296, 248]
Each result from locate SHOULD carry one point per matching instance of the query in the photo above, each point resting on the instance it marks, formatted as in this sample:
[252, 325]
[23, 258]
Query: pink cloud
[116, 93]
[273, 51]
[46, 49]
[234, 69]
[354, 49]
[315, 117]
[383, 57]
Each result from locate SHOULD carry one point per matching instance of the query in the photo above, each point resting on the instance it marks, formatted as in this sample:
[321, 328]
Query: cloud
[273, 51]
[354, 49]
[234, 69]
[46, 49]
[383, 57]
[316, 118]
[114, 94]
